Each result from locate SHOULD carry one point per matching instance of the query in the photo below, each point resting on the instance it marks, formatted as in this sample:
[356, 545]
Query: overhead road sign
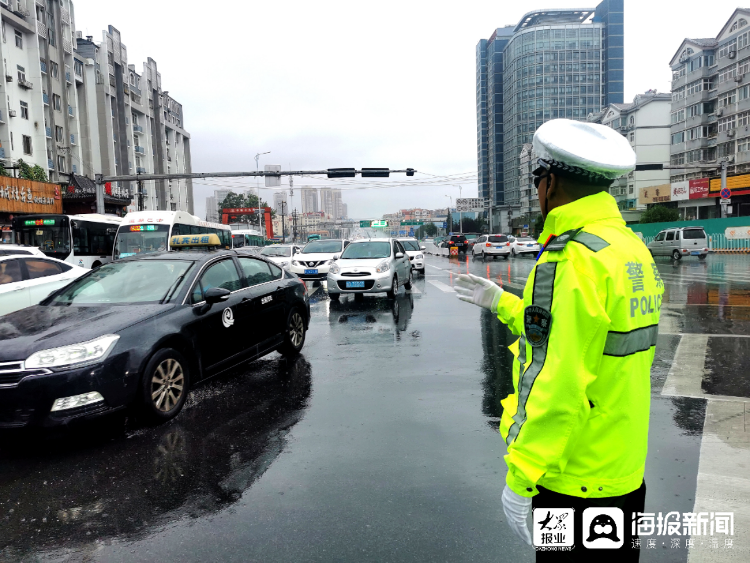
[379, 224]
[472, 204]
[365, 224]
[272, 181]
[418, 223]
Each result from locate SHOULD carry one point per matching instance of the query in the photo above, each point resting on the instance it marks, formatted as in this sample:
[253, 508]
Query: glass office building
[553, 63]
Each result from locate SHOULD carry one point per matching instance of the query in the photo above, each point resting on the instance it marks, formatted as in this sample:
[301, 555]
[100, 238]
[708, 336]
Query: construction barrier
[454, 251]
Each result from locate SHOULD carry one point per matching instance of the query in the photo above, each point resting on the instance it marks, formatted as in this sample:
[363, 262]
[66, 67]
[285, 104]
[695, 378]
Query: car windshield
[322, 246]
[365, 250]
[140, 239]
[410, 244]
[277, 251]
[137, 281]
[501, 238]
[693, 234]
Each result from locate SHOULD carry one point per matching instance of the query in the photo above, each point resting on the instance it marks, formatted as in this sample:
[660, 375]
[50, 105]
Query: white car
[415, 253]
[19, 250]
[281, 254]
[524, 245]
[492, 246]
[316, 257]
[26, 280]
[370, 266]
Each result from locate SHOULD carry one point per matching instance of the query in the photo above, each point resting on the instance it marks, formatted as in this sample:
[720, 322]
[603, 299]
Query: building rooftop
[542, 17]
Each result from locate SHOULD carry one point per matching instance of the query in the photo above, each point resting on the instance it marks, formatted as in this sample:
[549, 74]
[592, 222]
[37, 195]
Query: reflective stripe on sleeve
[592, 242]
[544, 284]
[627, 343]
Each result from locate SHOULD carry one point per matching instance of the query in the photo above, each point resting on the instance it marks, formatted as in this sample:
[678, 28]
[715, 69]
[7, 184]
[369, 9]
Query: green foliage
[3, 171]
[24, 170]
[244, 200]
[38, 173]
[426, 230]
[660, 214]
[538, 225]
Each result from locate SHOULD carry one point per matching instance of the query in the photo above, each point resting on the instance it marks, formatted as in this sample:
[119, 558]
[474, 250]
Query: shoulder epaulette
[559, 242]
[592, 242]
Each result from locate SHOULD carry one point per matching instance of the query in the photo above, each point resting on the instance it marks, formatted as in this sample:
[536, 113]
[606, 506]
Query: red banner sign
[698, 188]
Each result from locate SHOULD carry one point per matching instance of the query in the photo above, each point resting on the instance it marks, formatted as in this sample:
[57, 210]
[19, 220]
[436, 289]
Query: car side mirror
[216, 295]
[335, 256]
[422, 248]
[399, 254]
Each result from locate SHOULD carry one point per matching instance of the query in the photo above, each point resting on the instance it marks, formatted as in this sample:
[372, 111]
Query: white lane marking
[722, 482]
[414, 291]
[436, 267]
[661, 332]
[441, 286]
[686, 374]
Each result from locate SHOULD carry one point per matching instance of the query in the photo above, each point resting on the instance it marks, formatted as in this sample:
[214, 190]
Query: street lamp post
[257, 189]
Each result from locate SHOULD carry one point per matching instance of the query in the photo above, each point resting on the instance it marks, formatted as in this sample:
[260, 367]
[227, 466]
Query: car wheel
[421, 271]
[165, 385]
[505, 256]
[294, 335]
[702, 256]
[394, 287]
[334, 296]
[408, 282]
[96, 264]
[484, 256]
[676, 255]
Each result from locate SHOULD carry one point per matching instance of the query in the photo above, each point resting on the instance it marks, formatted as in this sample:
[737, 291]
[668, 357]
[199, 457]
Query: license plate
[498, 247]
[354, 284]
[311, 271]
[695, 253]
[529, 245]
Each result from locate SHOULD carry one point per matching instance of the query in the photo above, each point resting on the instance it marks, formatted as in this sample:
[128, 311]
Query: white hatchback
[415, 253]
[316, 257]
[281, 254]
[26, 280]
[370, 266]
[492, 246]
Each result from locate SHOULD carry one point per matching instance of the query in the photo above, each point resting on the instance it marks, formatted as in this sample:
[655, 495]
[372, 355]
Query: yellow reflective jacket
[577, 423]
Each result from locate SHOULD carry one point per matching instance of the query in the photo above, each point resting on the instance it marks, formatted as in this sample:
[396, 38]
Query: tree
[24, 170]
[539, 225]
[660, 214]
[3, 171]
[426, 230]
[234, 200]
[38, 173]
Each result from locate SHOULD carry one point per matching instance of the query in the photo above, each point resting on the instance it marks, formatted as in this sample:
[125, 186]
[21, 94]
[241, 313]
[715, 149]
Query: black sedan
[141, 331]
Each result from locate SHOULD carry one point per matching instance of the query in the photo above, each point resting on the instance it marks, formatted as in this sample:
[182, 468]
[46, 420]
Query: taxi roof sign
[199, 241]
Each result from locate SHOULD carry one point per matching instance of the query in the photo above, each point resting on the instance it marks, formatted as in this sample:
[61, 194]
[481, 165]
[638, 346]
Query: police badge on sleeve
[537, 323]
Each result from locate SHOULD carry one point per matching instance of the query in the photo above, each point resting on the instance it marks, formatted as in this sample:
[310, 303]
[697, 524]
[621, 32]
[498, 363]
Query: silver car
[679, 242]
[370, 266]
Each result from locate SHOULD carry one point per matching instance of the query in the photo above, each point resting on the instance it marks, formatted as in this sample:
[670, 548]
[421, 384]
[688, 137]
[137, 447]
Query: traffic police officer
[576, 427]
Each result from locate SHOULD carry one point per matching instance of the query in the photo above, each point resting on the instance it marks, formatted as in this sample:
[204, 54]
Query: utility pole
[294, 225]
[460, 214]
[283, 231]
[140, 195]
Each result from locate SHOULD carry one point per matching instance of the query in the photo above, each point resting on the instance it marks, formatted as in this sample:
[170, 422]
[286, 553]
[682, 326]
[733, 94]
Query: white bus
[150, 231]
[246, 237]
[84, 240]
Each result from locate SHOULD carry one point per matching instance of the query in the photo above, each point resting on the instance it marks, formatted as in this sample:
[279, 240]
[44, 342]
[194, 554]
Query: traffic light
[341, 173]
[410, 172]
[375, 172]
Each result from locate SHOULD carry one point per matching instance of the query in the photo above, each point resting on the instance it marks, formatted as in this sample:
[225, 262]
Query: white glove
[480, 291]
[516, 510]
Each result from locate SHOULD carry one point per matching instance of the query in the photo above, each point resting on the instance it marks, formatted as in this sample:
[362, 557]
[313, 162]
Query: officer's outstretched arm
[565, 330]
[510, 311]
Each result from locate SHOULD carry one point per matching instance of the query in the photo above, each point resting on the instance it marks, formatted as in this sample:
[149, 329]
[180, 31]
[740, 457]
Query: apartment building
[309, 200]
[279, 198]
[710, 118]
[212, 205]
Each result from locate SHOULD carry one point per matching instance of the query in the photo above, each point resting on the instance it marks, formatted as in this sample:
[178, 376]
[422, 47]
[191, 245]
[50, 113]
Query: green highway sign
[365, 224]
[412, 223]
[379, 224]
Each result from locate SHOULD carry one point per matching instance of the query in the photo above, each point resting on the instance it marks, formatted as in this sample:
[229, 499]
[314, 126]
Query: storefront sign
[25, 196]
[655, 194]
[698, 188]
[734, 183]
[680, 191]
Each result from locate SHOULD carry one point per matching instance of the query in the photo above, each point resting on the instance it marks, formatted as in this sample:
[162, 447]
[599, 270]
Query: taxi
[141, 331]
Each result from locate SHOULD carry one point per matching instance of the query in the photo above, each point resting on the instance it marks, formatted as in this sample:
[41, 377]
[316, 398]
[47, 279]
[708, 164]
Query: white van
[679, 242]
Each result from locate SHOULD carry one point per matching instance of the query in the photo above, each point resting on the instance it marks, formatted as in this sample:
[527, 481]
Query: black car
[141, 331]
[459, 241]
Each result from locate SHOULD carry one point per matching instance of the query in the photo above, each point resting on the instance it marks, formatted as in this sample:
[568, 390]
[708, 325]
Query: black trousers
[629, 503]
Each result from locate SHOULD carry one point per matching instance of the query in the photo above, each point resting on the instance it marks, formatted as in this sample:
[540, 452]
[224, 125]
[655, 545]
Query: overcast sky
[341, 84]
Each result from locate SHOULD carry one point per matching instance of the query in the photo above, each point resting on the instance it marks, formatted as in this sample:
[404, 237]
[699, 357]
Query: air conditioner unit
[9, 78]
[719, 112]
[738, 78]
[732, 54]
[730, 133]
[11, 113]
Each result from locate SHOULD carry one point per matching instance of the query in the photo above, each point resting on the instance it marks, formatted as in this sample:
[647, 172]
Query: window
[51, 37]
[78, 68]
[670, 235]
[39, 268]
[743, 119]
[56, 102]
[678, 94]
[728, 98]
[59, 134]
[221, 274]
[256, 271]
[742, 41]
[26, 144]
[725, 149]
[678, 116]
[727, 48]
[21, 73]
[726, 123]
[61, 164]
[743, 66]
[632, 137]
[743, 93]
[19, 39]
[54, 69]
[10, 271]
[728, 74]
[678, 138]
[24, 110]
[677, 158]
[743, 145]
[695, 64]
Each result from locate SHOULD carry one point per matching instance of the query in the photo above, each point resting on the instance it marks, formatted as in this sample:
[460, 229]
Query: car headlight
[295, 263]
[334, 269]
[419, 257]
[96, 349]
[383, 267]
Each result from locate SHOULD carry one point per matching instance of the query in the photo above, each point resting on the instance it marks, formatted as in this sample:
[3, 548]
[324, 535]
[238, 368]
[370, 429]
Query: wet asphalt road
[378, 443]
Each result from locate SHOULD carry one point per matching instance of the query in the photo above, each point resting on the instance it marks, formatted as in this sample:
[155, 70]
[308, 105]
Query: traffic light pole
[100, 179]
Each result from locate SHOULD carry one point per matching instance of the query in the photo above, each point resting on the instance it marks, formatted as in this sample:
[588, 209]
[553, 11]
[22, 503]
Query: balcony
[70, 111]
[2, 152]
[72, 139]
[48, 131]
[742, 157]
[140, 170]
[67, 77]
[50, 164]
[75, 169]
[67, 46]
[79, 75]
[25, 84]
[137, 129]
[64, 15]
[45, 97]
[41, 29]
[43, 66]
[139, 150]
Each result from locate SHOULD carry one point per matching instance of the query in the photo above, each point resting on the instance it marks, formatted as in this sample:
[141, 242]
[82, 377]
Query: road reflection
[497, 366]
[376, 315]
[108, 480]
